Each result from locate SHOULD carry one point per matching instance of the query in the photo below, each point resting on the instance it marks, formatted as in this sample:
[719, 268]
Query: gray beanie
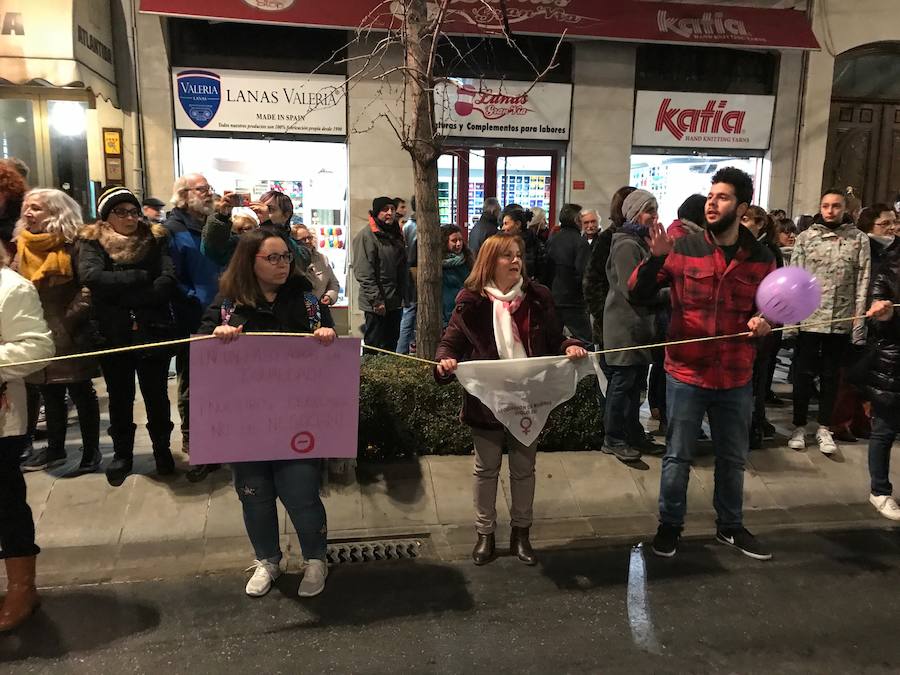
[636, 202]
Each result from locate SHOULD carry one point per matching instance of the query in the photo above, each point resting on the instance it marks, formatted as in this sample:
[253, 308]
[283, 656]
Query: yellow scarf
[44, 258]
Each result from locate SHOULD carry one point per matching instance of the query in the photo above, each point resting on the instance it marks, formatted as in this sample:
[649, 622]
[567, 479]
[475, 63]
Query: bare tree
[416, 28]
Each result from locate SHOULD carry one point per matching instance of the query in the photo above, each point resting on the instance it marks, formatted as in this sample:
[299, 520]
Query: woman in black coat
[263, 290]
[883, 382]
[124, 261]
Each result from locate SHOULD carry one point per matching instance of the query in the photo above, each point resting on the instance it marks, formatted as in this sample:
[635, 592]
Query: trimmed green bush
[403, 411]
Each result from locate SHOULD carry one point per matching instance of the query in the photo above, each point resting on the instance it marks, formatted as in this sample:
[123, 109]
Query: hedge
[404, 412]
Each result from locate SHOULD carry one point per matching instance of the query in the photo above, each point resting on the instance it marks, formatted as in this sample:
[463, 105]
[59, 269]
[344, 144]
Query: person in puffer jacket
[883, 384]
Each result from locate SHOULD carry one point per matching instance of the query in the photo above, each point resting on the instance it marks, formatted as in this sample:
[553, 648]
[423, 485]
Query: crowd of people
[512, 288]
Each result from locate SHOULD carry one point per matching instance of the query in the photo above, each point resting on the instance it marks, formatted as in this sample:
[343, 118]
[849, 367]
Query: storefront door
[467, 176]
[49, 133]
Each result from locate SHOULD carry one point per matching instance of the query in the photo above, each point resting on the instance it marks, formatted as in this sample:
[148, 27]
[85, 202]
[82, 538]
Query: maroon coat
[470, 337]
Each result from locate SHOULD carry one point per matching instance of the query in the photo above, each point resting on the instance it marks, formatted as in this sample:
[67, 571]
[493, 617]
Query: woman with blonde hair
[45, 236]
[24, 336]
[501, 314]
[538, 224]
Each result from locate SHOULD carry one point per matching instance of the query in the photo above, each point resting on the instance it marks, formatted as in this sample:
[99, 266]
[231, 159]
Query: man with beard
[713, 276]
[198, 275]
[838, 255]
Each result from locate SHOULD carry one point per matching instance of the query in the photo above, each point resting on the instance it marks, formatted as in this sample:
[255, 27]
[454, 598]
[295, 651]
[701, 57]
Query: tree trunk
[421, 144]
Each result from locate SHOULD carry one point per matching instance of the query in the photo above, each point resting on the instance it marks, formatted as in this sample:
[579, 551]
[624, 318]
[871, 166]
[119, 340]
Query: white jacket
[24, 336]
[322, 278]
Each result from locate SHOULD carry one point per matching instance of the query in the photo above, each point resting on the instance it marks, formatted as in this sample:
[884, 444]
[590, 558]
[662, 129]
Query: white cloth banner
[523, 392]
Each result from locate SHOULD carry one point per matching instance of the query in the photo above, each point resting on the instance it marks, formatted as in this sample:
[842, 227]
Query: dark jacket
[595, 285]
[627, 324]
[455, 273]
[198, 274]
[131, 298]
[8, 225]
[67, 310]
[535, 255]
[380, 266]
[470, 337]
[487, 226]
[568, 254]
[217, 241]
[883, 383]
[288, 314]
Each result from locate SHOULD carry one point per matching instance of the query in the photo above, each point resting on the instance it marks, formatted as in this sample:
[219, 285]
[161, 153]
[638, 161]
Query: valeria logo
[492, 105]
[269, 5]
[200, 93]
[715, 118]
[708, 25]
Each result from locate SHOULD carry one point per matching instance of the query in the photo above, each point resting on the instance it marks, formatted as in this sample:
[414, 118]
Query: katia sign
[692, 120]
[709, 26]
[502, 109]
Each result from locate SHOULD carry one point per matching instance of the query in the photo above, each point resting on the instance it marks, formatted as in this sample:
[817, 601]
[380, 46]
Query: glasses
[278, 258]
[127, 213]
[305, 239]
[202, 189]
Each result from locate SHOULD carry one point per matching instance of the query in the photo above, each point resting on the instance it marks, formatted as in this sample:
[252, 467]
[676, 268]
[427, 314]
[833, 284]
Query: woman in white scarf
[500, 314]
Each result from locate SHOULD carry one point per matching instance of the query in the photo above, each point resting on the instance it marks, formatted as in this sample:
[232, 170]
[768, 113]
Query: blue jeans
[407, 329]
[296, 483]
[729, 413]
[884, 433]
[622, 417]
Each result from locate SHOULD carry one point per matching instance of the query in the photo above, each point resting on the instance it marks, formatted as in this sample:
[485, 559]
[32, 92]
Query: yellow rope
[197, 338]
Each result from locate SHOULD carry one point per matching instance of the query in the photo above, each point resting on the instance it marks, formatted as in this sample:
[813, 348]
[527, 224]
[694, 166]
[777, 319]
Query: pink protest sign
[264, 398]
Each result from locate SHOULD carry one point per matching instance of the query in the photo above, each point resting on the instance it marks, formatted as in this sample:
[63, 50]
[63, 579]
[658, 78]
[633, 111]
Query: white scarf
[506, 334]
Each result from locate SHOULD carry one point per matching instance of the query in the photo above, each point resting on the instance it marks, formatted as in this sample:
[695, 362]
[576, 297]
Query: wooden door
[889, 155]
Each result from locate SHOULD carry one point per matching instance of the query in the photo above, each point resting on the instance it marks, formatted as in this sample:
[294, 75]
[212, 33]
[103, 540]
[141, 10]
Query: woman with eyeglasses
[45, 236]
[263, 290]
[125, 262]
[501, 314]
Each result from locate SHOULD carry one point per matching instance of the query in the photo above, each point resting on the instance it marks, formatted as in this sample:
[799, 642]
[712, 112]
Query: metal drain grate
[374, 551]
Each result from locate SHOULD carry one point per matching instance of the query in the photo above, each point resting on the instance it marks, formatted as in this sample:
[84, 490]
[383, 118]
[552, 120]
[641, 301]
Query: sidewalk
[149, 527]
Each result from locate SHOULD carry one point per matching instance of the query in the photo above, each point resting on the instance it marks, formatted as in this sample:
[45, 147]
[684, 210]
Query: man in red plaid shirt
[713, 277]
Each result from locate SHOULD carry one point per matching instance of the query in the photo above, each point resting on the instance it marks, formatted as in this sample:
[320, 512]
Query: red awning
[626, 20]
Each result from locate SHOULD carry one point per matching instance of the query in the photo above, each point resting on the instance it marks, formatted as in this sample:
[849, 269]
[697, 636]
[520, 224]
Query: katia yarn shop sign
[503, 109]
[242, 100]
[692, 120]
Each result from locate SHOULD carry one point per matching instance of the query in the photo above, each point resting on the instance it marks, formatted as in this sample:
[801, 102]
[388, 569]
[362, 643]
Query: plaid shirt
[708, 298]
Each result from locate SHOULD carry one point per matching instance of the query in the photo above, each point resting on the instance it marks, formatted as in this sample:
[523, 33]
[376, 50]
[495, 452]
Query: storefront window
[448, 181]
[525, 180]
[313, 174]
[68, 148]
[17, 134]
[674, 178]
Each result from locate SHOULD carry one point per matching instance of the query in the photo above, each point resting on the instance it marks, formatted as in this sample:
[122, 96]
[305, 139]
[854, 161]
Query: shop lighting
[67, 118]
[20, 120]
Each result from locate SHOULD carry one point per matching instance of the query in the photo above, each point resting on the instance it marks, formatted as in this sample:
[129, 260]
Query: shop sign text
[12, 24]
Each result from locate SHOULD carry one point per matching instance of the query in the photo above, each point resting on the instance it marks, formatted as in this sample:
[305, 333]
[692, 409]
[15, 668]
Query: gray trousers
[488, 457]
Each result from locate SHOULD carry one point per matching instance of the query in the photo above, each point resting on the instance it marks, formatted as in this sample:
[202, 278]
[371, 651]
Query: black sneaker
[90, 462]
[768, 430]
[665, 543]
[44, 459]
[624, 453]
[741, 539]
[200, 472]
[649, 446]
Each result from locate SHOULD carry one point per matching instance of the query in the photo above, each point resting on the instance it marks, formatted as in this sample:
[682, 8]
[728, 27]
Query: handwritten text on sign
[265, 398]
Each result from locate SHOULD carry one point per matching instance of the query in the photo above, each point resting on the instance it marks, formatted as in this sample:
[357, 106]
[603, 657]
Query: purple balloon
[788, 295]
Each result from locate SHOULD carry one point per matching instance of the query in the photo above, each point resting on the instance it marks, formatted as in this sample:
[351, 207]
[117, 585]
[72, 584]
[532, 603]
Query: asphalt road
[826, 604]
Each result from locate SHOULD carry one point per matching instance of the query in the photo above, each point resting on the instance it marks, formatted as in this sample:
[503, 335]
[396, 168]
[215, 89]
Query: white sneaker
[798, 439]
[313, 579]
[825, 441]
[264, 573]
[886, 506]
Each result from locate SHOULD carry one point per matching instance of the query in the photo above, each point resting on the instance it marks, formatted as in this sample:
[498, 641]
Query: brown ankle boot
[520, 546]
[21, 594]
[484, 551]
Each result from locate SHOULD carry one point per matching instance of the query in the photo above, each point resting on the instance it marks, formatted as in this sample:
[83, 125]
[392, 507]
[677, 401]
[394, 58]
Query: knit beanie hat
[111, 197]
[636, 202]
[379, 203]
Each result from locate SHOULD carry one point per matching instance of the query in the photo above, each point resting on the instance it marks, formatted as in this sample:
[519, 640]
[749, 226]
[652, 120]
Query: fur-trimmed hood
[125, 249]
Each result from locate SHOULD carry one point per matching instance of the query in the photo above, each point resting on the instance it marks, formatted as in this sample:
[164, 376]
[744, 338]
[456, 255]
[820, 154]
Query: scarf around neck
[125, 249]
[44, 258]
[454, 260]
[506, 333]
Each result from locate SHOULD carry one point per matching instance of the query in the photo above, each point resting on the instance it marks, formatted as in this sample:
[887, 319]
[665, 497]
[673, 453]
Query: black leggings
[16, 523]
[85, 399]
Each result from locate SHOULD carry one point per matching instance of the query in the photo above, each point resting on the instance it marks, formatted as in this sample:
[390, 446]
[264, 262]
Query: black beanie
[111, 197]
[379, 203]
[693, 209]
